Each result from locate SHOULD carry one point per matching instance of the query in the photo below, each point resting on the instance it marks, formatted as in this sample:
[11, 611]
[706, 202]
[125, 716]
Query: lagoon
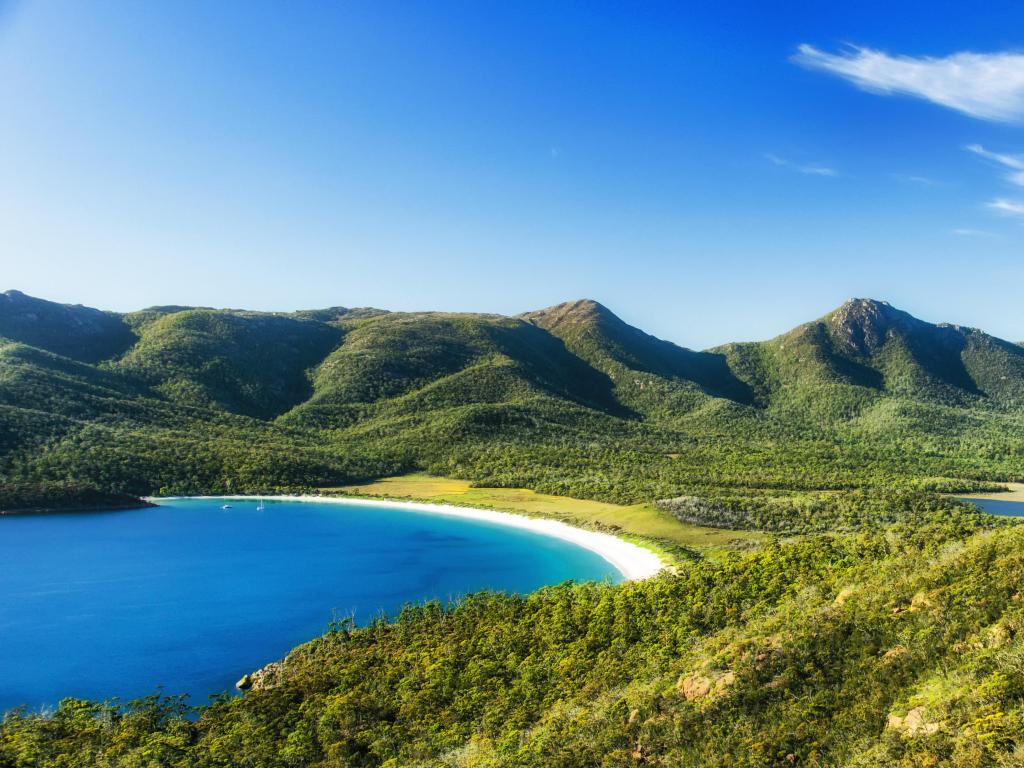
[190, 596]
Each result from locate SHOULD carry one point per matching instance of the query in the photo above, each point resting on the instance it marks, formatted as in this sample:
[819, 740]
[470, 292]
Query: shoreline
[632, 561]
[79, 510]
[1013, 492]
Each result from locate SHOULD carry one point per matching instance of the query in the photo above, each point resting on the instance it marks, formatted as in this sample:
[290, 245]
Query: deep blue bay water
[191, 597]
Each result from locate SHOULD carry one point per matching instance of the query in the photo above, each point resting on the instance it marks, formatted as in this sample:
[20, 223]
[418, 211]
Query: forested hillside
[873, 621]
[568, 400]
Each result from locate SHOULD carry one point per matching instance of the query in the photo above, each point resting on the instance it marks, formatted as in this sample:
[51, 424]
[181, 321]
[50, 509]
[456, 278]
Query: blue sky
[711, 174]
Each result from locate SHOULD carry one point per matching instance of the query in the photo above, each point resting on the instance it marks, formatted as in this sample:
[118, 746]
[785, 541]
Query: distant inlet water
[1000, 507]
[190, 596]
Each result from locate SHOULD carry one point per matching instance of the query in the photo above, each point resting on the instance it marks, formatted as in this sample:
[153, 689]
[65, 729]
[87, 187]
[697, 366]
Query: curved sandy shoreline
[632, 561]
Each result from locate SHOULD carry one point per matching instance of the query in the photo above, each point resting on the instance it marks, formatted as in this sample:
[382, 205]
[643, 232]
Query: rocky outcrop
[913, 723]
[708, 686]
[263, 678]
[862, 326]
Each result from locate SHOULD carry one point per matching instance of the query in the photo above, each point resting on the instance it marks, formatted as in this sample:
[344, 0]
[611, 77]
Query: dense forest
[879, 625]
[569, 400]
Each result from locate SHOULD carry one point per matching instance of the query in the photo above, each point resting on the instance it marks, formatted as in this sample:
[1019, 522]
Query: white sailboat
[259, 505]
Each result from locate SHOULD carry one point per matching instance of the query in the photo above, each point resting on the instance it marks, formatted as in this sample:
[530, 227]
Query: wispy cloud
[1006, 207]
[811, 169]
[988, 86]
[921, 181]
[967, 232]
[1014, 162]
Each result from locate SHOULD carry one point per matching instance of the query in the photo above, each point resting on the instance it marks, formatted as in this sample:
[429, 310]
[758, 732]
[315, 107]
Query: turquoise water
[1000, 507]
[190, 597]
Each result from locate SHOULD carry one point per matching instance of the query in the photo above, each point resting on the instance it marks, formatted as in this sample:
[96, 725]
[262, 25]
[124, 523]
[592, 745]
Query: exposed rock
[261, 679]
[862, 326]
[913, 723]
[695, 686]
[711, 686]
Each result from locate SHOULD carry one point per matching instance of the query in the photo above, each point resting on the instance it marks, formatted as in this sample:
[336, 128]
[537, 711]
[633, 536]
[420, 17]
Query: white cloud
[811, 169]
[1006, 207]
[989, 86]
[923, 181]
[1014, 162]
[966, 232]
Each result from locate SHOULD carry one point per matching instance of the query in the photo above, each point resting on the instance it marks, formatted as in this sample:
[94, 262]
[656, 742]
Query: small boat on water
[259, 505]
[226, 506]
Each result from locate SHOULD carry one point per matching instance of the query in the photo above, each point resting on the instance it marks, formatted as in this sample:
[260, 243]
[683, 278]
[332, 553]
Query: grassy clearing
[639, 520]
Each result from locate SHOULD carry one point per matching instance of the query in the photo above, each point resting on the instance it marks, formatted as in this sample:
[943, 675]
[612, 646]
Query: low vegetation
[793, 513]
[897, 647]
[644, 521]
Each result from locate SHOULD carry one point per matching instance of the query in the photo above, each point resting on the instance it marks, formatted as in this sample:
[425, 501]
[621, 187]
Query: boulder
[261, 679]
[710, 686]
[913, 723]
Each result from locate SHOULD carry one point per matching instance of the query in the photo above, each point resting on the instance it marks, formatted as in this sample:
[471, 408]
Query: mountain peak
[868, 308]
[863, 325]
[570, 313]
[589, 305]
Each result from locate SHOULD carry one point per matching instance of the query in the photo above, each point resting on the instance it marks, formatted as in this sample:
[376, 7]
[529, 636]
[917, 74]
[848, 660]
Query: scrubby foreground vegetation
[898, 647]
[871, 621]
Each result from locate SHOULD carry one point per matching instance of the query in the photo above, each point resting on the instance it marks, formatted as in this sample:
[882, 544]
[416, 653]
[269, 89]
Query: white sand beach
[632, 561]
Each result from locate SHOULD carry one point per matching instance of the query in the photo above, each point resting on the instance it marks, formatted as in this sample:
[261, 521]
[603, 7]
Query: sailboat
[259, 505]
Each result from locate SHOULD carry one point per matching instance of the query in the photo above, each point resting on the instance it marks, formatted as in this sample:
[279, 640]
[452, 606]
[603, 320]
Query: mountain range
[208, 399]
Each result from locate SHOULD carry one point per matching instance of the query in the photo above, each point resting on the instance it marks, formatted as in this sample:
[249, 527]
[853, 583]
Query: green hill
[567, 400]
[873, 346]
[655, 377]
[74, 331]
[871, 621]
[396, 362]
[243, 362]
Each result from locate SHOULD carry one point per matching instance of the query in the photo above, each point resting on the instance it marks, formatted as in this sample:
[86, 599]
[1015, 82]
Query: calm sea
[190, 596]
